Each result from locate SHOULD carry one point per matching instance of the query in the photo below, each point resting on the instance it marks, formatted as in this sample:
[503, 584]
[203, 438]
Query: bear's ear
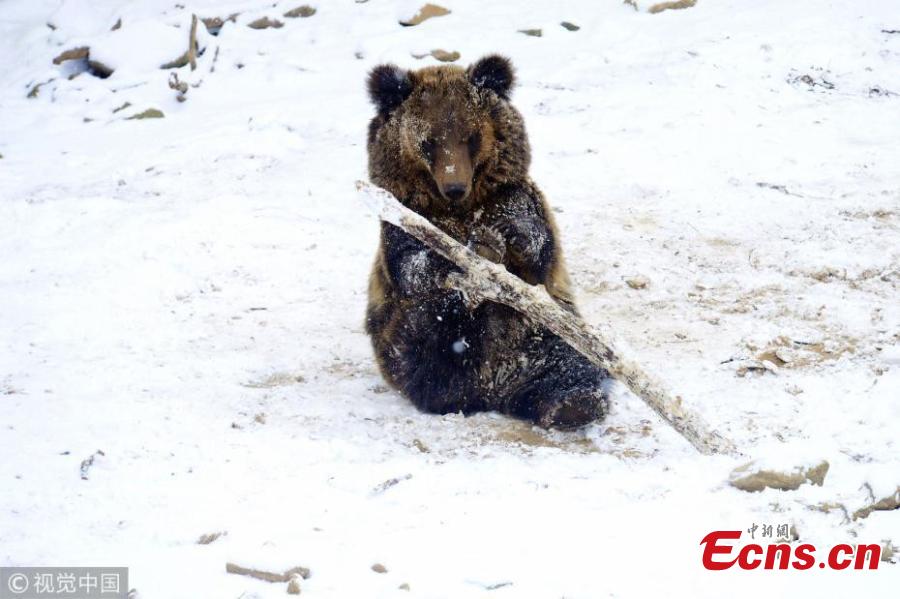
[493, 72]
[388, 86]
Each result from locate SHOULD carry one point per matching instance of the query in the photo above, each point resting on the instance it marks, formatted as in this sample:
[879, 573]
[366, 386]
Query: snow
[144, 45]
[186, 294]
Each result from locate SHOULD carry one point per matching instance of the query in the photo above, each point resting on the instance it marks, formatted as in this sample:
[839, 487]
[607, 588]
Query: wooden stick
[483, 280]
[285, 576]
[192, 44]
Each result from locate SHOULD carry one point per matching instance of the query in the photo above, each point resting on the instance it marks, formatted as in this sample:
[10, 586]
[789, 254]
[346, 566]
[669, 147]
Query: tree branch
[483, 280]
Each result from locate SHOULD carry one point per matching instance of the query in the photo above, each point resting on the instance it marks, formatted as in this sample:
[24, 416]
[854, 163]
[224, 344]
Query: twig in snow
[483, 280]
[212, 67]
[390, 483]
[285, 576]
[87, 463]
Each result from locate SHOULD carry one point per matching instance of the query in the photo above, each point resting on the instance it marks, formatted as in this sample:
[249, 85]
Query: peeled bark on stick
[483, 280]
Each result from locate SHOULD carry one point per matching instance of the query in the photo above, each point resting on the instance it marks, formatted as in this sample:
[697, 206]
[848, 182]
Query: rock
[445, 56]
[211, 537]
[150, 113]
[679, 4]
[747, 478]
[755, 366]
[816, 474]
[638, 282]
[83, 53]
[428, 11]
[303, 12]
[442, 55]
[265, 23]
[417, 443]
[380, 569]
[214, 24]
[570, 26]
[532, 32]
[891, 502]
[73, 54]
[888, 550]
[404, 587]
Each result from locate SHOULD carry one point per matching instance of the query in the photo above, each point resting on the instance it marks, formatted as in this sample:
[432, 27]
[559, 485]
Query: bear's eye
[474, 143]
[429, 147]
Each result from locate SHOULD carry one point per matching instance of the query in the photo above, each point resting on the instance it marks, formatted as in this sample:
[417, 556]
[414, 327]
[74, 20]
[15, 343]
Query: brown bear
[448, 144]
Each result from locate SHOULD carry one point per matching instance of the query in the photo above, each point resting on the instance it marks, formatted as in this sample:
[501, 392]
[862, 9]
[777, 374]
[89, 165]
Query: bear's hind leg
[561, 388]
[433, 358]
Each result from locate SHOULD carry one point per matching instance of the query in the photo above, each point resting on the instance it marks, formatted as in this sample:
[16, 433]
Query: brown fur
[449, 145]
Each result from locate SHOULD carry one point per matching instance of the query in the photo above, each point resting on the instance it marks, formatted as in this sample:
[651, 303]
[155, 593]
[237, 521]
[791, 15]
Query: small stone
[303, 12]
[445, 56]
[150, 113]
[891, 502]
[785, 354]
[638, 282]
[379, 568]
[420, 446]
[816, 474]
[532, 32]
[214, 24]
[679, 4]
[265, 23]
[428, 11]
[404, 587]
[570, 26]
[747, 479]
[72, 54]
[211, 537]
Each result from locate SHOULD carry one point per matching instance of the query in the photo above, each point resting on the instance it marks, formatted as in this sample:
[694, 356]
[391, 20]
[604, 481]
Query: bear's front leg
[519, 216]
[415, 270]
[488, 243]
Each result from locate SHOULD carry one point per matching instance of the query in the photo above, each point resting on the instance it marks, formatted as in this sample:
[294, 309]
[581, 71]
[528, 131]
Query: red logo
[719, 554]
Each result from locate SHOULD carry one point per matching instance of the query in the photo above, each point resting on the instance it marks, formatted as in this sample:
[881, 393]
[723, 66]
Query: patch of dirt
[790, 353]
[526, 436]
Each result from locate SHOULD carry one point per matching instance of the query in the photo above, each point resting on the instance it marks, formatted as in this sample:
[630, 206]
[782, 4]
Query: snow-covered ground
[186, 294]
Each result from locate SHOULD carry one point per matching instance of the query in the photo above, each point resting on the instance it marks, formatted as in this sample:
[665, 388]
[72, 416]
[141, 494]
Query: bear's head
[445, 137]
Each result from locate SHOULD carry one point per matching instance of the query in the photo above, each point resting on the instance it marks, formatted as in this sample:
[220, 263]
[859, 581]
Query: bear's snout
[455, 192]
